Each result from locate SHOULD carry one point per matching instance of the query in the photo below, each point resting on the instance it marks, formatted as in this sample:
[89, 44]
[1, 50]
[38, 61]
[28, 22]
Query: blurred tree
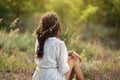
[110, 16]
[12, 9]
[73, 11]
[113, 13]
[109, 12]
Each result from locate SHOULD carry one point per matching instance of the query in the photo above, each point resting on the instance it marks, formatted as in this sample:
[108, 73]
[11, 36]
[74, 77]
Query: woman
[52, 59]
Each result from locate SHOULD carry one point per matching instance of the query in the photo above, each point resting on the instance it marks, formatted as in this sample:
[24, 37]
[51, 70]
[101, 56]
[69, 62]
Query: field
[17, 56]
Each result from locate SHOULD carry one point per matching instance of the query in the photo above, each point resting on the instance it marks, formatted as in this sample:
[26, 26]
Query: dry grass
[17, 56]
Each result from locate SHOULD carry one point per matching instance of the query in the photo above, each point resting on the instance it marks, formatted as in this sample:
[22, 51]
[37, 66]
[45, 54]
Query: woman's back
[48, 66]
[51, 49]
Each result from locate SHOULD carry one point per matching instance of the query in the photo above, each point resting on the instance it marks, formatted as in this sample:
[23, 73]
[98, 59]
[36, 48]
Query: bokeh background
[89, 27]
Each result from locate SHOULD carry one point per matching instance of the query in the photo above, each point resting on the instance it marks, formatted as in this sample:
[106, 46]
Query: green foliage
[77, 13]
[89, 11]
[74, 11]
[11, 9]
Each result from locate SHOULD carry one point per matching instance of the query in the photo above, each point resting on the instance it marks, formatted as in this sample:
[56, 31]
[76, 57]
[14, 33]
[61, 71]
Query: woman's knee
[73, 62]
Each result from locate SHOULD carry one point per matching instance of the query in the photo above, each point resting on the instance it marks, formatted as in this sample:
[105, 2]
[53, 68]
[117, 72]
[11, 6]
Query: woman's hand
[74, 55]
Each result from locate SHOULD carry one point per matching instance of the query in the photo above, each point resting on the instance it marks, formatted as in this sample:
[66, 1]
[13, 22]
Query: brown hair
[49, 27]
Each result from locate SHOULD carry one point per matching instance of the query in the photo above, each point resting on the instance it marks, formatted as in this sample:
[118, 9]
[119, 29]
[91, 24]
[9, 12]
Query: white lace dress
[54, 64]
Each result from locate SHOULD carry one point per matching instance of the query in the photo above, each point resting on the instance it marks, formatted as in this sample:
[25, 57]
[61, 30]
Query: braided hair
[49, 27]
